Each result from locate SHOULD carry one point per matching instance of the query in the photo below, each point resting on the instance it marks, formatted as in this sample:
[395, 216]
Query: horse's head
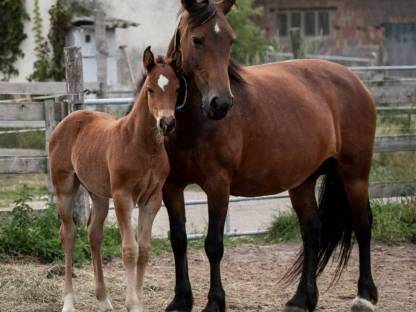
[205, 37]
[162, 86]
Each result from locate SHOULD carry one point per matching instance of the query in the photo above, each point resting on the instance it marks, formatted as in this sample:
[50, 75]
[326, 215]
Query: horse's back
[78, 144]
[299, 114]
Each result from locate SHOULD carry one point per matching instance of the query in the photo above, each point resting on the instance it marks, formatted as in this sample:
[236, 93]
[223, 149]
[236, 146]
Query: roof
[110, 22]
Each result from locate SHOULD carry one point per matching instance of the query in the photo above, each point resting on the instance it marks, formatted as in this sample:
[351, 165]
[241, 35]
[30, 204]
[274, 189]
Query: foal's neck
[142, 124]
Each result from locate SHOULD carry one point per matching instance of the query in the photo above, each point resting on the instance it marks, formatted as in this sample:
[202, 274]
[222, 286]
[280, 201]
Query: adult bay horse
[123, 159]
[291, 122]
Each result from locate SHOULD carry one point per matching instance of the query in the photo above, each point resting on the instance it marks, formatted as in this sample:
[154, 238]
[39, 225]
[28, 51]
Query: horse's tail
[336, 227]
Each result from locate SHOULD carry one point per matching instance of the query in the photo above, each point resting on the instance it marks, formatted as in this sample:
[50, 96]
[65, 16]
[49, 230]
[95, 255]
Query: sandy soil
[250, 275]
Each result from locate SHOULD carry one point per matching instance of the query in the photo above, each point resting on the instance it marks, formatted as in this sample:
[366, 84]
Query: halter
[180, 107]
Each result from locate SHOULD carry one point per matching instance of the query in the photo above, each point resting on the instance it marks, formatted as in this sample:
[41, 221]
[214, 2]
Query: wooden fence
[45, 114]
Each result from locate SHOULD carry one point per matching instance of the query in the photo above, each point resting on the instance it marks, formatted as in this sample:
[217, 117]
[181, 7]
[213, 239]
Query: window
[282, 20]
[309, 29]
[87, 38]
[323, 23]
[295, 19]
[311, 22]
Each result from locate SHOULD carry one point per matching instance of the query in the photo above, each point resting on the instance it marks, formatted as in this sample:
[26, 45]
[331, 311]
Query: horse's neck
[142, 125]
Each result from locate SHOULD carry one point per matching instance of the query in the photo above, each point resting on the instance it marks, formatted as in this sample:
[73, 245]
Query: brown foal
[123, 159]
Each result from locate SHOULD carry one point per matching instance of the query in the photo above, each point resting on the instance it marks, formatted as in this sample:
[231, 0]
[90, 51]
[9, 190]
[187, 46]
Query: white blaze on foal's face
[162, 82]
[217, 28]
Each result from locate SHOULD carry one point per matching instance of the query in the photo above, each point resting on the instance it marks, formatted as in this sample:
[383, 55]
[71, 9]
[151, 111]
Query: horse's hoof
[293, 309]
[362, 305]
[105, 305]
[184, 305]
[214, 306]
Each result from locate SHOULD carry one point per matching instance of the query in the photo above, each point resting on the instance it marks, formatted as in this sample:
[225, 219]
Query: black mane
[200, 13]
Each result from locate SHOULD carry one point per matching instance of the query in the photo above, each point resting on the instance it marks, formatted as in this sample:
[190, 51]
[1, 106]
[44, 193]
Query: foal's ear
[148, 59]
[226, 5]
[176, 60]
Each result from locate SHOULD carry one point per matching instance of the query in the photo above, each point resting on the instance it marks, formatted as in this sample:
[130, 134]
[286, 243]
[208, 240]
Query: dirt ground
[250, 276]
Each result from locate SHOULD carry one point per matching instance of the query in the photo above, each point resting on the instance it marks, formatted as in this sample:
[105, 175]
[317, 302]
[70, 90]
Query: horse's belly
[92, 171]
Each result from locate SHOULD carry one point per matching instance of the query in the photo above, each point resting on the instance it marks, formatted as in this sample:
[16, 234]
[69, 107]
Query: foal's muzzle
[219, 107]
[167, 125]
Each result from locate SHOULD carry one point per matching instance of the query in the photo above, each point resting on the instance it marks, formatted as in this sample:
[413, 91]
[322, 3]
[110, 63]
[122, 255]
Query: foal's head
[205, 37]
[162, 86]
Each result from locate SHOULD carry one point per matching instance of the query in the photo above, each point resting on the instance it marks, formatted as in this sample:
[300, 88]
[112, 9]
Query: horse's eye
[197, 41]
[150, 90]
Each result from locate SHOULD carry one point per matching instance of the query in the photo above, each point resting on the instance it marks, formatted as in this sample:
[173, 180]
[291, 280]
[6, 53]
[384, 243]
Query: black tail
[336, 227]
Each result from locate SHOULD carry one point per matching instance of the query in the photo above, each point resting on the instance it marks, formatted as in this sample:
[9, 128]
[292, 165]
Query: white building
[157, 19]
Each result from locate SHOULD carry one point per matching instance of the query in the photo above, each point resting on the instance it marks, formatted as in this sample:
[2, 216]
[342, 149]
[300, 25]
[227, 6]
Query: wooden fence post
[75, 92]
[50, 123]
[296, 41]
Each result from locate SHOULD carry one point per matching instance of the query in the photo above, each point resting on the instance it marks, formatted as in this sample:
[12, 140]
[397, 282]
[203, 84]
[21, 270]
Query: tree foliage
[50, 55]
[41, 66]
[252, 42]
[12, 18]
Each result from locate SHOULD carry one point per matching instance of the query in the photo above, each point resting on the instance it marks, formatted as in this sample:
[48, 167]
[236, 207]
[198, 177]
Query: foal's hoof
[293, 309]
[105, 305]
[362, 305]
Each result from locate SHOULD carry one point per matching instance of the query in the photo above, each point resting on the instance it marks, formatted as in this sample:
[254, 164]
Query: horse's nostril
[214, 102]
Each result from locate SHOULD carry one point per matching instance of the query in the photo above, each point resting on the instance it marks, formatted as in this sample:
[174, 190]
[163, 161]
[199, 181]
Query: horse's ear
[226, 5]
[148, 59]
[176, 60]
[187, 4]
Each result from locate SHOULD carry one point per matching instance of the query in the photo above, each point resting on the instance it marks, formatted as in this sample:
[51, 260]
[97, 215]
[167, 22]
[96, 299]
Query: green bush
[393, 223]
[284, 227]
[28, 234]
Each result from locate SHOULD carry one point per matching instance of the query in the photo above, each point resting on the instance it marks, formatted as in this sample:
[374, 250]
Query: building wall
[25, 65]
[157, 20]
[356, 26]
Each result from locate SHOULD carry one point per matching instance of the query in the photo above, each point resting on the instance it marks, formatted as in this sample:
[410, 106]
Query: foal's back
[80, 144]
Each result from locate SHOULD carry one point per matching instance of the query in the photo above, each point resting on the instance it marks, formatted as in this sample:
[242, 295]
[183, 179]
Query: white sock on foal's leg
[68, 303]
[105, 305]
[362, 305]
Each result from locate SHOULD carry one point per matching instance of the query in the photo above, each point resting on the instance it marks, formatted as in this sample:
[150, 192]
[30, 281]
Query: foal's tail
[336, 227]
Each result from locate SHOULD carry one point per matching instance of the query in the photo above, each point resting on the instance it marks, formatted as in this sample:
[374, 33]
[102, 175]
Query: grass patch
[394, 222]
[11, 185]
[34, 139]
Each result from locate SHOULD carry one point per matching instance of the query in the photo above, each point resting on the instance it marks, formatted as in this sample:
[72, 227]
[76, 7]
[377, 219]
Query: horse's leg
[66, 186]
[146, 217]
[124, 205]
[218, 197]
[304, 203]
[357, 192]
[174, 201]
[96, 235]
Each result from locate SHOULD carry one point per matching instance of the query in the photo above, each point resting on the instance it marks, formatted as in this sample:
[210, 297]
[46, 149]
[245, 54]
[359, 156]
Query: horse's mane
[200, 13]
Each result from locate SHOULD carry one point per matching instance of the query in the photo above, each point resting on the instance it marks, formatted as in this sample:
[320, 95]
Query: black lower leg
[306, 296]
[214, 248]
[362, 229]
[174, 202]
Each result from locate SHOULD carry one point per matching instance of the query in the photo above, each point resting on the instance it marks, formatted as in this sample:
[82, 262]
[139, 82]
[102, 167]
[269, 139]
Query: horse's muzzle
[219, 107]
[167, 125]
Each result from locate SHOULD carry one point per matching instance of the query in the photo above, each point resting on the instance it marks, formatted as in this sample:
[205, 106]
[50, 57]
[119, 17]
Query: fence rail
[399, 94]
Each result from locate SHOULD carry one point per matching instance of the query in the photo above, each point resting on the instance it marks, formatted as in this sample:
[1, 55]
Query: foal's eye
[197, 41]
[150, 90]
